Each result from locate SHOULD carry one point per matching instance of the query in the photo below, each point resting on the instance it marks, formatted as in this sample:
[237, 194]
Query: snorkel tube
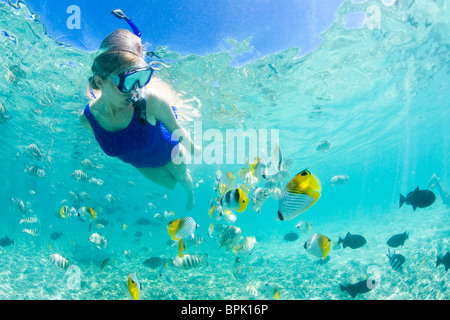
[139, 101]
[119, 14]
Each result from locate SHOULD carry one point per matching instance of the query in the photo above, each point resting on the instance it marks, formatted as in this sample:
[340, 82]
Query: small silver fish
[19, 205]
[324, 146]
[339, 179]
[3, 114]
[33, 151]
[32, 232]
[29, 220]
[35, 171]
[79, 175]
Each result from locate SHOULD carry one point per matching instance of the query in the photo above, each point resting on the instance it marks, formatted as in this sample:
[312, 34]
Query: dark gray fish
[6, 241]
[138, 234]
[353, 241]
[445, 261]
[361, 287]
[397, 240]
[396, 260]
[291, 236]
[154, 262]
[418, 198]
[55, 235]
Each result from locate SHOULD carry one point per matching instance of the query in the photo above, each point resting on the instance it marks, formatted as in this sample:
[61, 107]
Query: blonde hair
[123, 39]
[122, 49]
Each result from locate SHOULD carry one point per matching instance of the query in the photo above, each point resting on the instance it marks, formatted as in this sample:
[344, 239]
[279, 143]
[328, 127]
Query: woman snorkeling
[132, 116]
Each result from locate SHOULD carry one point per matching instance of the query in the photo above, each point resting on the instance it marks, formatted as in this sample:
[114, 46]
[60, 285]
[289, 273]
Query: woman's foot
[433, 181]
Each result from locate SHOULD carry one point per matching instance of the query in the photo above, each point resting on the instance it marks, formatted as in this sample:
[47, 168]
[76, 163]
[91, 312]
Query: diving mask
[129, 80]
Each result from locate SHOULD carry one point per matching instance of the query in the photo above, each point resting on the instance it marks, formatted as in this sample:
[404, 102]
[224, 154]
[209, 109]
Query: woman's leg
[159, 176]
[182, 175]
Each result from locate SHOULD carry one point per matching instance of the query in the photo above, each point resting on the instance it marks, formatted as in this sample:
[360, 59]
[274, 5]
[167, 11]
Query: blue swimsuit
[141, 145]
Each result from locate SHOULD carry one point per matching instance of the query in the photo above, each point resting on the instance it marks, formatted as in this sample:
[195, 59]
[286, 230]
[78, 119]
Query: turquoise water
[379, 93]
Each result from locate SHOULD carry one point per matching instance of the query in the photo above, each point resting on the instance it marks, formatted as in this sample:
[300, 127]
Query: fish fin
[402, 200]
[181, 248]
[417, 189]
[342, 287]
[414, 207]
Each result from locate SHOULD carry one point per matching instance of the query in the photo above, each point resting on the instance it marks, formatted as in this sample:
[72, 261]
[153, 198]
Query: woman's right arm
[84, 121]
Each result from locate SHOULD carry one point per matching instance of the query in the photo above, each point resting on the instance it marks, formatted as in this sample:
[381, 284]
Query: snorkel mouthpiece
[140, 105]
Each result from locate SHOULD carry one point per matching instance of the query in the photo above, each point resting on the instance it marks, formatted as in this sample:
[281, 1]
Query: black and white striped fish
[59, 261]
[230, 237]
[33, 151]
[189, 261]
[35, 171]
[19, 205]
[396, 260]
[80, 175]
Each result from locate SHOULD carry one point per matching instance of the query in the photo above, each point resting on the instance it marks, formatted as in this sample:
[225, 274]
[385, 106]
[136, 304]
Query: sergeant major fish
[230, 237]
[189, 261]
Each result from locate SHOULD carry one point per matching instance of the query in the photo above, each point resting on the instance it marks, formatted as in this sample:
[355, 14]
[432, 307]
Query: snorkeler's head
[122, 50]
[113, 62]
[122, 39]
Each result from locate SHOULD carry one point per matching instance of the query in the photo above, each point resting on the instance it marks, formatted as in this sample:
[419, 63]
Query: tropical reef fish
[19, 205]
[104, 264]
[303, 226]
[59, 261]
[246, 246]
[154, 262]
[396, 260]
[338, 180]
[32, 232]
[55, 235]
[84, 212]
[418, 198]
[182, 228]
[29, 220]
[272, 291]
[260, 195]
[299, 195]
[291, 236]
[318, 245]
[6, 241]
[189, 261]
[325, 145]
[35, 171]
[134, 286]
[445, 261]
[230, 237]
[33, 151]
[361, 287]
[353, 241]
[99, 240]
[397, 240]
[80, 175]
[234, 199]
